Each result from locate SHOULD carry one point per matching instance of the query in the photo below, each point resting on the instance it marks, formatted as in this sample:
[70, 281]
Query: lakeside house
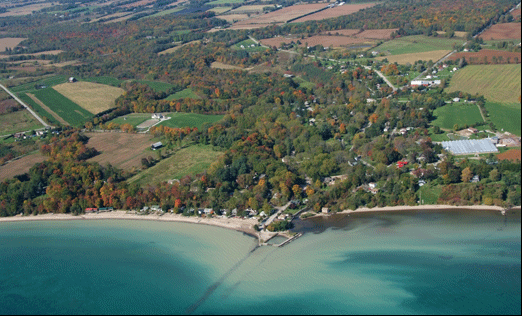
[325, 210]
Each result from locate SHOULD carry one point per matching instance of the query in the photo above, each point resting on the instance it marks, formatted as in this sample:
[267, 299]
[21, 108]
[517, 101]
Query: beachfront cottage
[325, 210]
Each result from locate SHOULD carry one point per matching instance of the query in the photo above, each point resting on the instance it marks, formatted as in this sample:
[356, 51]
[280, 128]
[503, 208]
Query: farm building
[416, 83]
[72, 79]
[157, 145]
[472, 146]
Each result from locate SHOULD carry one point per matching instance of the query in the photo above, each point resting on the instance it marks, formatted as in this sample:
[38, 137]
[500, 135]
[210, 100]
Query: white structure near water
[470, 146]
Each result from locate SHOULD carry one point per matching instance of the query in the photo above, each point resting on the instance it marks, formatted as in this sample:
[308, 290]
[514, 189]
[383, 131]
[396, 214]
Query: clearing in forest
[93, 97]
[191, 160]
[412, 58]
[498, 83]
[10, 42]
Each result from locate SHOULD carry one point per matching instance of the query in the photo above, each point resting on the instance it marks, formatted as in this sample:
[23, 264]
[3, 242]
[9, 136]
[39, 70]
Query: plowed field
[485, 56]
[502, 31]
[513, 154]
[19, 166]
[335, 12]
[326, 41]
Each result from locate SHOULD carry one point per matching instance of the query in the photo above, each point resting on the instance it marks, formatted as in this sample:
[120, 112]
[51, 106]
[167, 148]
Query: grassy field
[37, 108]
[19, 121]
[191, 160]
[93, 97]
[186, 93]
[165, 12]
[498, 83]
[505, 116]
[246, 44]
[133, 119]
[413, 57]
[303, 83]
[65, 108]
[189, 119]
[219, 10]
[157, 85]
[111, 81]
[49, 82]
[417, 44]
[458, 113]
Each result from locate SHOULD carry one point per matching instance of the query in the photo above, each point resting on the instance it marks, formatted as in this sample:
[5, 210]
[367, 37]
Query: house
[288, 74]
[157, 145]
[91, 210]
[472, 130]
[325, 210]
[156, 208]
[401, 164]
[158, 116]
[475, 179]
[372, 185]
[234, 212]
[106, 209]
[422, 182]
[456, 99]
[72, 79]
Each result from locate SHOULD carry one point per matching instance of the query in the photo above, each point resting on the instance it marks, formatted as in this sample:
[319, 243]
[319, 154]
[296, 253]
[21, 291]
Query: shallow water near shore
[447, 262]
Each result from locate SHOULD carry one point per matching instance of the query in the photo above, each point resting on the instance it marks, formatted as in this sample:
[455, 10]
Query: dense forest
[282, 141]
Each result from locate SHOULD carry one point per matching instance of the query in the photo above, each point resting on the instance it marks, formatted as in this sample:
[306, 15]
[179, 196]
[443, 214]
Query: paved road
[383, 77]
[25, 106]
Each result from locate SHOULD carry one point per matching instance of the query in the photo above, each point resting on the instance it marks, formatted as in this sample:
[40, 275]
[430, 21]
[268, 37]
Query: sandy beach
[238, 224]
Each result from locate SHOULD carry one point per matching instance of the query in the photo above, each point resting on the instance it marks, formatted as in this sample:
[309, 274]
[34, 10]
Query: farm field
[173, 49]
[220, 10]
[250, 9]
[326, 41]
[417, 44]
[343, 32]
[412, 58]
[220, 65]
[335, 12]
[286, 14]
[65, 108]
[191, 160]
[512, 154]
[180, 120]
[157, 85]
[48, 81]
[93, 97]
[498, 83]
[10, 42]
[231, 18]
[185, 93]
[27, 9]
[133, 119]
[505, 116]
[225, 2]
[457, 113]
[41, 109]
[486, 56]
[376, 34]
[121, 150]
[502, 31]
[20, 166]
[19, 121]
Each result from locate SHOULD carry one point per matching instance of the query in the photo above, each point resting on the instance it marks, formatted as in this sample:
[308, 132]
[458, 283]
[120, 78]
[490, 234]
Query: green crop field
[111, 81]
[505, 116]
[498, 83]
[186, 93]
[191, 160]
[458, 113]
[417, 44]
[180, 120]
[157, 85]
[19, 121]
[65, 108]
[37, 108]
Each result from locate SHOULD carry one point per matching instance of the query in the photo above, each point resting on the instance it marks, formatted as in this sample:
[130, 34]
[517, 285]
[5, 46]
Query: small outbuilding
[157, 145]
[72, 79]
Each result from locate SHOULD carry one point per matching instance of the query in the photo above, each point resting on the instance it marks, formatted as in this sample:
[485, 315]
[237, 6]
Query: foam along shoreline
[242, 225]
[434, 207]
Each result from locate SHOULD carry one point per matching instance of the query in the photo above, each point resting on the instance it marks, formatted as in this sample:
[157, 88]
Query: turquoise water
[415, 263]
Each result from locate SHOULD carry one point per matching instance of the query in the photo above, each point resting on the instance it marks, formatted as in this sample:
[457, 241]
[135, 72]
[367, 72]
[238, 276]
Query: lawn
[65, 108]
[180, 120]
[498, 83]
[247, 46]
[417, 44]
[429, 194]
[505, 116]
[191, 160]
[457, 113]
[186, 93]
[304, 83]
[19, 121]
[93, 97]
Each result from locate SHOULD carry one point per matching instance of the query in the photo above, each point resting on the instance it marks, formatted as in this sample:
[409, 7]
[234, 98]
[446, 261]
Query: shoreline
[433, 207]
[241, 225]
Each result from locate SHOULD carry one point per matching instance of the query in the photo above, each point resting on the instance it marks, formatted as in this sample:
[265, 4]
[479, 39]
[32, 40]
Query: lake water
[387, 263]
